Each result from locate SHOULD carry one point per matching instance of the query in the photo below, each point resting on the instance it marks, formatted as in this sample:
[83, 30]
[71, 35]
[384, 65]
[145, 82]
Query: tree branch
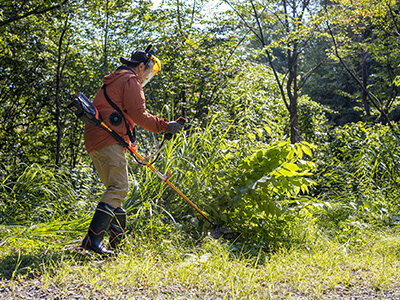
[35, 11]
[270, 58]
[309, 73]
[374, 100]
[393, 17]
[242, 18]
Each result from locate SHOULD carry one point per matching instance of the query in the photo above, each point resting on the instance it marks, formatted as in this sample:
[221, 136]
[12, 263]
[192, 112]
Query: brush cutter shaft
[163, 177]
[190, 202]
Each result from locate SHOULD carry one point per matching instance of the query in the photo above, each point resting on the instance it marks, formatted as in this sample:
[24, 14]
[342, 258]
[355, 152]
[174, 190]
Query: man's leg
[110, 163]
[118, 228]
[98, 226]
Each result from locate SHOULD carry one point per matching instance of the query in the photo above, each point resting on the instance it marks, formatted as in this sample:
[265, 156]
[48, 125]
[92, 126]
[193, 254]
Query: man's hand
[174, 127]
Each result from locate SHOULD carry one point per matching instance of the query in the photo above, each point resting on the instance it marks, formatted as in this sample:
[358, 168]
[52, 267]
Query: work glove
[174, 127]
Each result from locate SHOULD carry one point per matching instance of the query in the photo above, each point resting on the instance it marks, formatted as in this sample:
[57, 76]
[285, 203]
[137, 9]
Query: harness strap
[131, 134]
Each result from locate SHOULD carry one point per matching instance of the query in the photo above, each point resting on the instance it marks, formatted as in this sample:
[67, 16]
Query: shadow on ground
[31, 265]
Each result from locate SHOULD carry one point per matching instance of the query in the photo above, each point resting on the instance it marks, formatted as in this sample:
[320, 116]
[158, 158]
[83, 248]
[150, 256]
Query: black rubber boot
[98, 226]
[118, 227]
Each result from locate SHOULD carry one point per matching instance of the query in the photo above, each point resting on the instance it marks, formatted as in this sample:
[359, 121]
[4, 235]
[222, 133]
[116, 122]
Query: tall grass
[191, 159]
[358, 181]
[41, 193]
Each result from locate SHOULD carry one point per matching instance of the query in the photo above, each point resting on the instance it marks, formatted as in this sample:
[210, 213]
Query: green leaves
[279, 168]
[367, 44]
[396, 81]
[253, 190]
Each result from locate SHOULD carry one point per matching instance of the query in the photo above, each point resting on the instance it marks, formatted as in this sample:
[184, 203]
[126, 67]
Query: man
[121, 103]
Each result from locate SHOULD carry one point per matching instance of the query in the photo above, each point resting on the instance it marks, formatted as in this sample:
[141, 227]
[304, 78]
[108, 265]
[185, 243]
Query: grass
[176, 267]
[306, 261]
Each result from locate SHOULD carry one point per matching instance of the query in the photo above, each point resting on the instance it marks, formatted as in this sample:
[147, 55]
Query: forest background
[292, 110]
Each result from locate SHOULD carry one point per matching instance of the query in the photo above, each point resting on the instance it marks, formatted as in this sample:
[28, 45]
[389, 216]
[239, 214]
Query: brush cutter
[87, 112]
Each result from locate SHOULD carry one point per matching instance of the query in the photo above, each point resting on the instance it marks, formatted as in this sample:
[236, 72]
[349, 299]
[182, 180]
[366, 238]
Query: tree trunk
[364, 81]
[292, 91]
[294, 122]
[105, 53]
[59, 76]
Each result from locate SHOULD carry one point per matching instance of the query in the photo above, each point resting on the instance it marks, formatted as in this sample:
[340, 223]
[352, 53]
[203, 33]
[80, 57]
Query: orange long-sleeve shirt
[125, 90]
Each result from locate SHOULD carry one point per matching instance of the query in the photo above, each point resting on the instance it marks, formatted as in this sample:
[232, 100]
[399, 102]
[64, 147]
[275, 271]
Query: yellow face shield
[154, 67]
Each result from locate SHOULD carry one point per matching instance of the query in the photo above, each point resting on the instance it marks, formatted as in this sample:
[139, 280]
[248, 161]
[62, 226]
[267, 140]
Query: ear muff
[115, 119]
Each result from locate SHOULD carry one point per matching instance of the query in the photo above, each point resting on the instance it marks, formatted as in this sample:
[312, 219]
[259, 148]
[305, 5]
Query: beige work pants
[110, 164]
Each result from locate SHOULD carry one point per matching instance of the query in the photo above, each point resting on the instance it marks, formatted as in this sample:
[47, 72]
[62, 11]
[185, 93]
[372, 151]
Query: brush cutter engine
[85, 110]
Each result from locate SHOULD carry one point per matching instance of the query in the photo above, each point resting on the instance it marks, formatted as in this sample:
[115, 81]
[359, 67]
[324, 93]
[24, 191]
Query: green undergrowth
[173, 265]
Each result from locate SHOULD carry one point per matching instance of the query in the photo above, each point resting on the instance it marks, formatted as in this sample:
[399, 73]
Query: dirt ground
[31, 289]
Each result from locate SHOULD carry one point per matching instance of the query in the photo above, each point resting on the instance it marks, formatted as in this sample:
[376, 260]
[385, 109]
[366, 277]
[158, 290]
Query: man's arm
[135, 105]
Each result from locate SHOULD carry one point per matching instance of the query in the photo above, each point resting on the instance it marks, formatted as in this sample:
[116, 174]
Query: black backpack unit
[85, 110]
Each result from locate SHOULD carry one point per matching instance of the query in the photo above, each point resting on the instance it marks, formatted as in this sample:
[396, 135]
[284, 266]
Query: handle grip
[180, 120]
